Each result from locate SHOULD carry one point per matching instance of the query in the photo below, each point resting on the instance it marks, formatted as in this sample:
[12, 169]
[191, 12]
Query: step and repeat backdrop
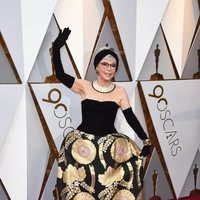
[158, 44]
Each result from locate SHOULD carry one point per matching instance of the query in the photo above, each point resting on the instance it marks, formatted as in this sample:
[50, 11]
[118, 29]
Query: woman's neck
[103, 83]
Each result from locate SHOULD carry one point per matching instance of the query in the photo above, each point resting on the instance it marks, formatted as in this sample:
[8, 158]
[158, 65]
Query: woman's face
[107, 68]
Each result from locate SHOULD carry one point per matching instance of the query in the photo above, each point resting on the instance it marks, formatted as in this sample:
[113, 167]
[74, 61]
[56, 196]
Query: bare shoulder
[124, 100]
[121, 90]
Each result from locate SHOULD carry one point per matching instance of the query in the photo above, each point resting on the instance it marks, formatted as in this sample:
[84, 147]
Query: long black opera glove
[59, 42]
[136, 126]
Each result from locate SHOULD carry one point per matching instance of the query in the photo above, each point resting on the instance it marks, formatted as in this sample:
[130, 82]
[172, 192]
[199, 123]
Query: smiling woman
[106, 70]
[96, 161]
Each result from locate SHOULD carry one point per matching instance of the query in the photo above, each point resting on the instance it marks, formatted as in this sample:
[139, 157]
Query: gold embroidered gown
[97, 162]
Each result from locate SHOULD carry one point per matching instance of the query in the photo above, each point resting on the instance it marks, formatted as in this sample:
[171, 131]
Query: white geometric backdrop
[34, 114]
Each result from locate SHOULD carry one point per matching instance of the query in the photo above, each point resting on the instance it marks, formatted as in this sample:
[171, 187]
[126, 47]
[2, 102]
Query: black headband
[99, 56]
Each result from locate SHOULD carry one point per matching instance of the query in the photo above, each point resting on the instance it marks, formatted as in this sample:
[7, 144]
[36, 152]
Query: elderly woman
[95, 161]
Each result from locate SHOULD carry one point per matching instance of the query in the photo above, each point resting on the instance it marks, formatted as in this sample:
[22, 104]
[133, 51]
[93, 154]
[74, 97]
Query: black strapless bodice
[98, 117]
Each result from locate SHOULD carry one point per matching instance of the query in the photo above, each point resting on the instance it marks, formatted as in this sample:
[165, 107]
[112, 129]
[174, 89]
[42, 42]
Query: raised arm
[66, 79]
[134, 123]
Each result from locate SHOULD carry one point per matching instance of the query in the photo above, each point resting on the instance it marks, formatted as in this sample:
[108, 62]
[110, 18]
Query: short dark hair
[104, 52]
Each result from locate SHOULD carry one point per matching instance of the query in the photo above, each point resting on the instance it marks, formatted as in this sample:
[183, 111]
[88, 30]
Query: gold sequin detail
[59, 172]
[139, 164]
[128, 184]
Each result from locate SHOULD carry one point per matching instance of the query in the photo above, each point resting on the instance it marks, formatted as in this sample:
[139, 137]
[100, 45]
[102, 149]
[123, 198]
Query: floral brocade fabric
[92, 167]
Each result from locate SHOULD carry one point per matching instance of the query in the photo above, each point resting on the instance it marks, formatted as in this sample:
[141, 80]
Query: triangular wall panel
[34, 24]
[175, 25]
[11, 29]
[192, 65]
[8, 107]
[8, 73]
[148, 20]
[177, 128]
[158, 63]
[43, 67]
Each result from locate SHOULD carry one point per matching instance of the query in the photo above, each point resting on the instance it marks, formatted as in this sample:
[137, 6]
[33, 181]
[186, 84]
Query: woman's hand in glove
[61, 38]
[145, 150]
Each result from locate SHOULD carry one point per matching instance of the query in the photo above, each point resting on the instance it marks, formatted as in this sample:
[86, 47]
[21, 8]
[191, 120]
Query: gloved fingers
[61, 38]
[66, 32]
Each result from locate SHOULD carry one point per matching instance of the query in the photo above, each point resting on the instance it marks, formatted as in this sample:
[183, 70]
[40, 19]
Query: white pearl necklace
[100, 89]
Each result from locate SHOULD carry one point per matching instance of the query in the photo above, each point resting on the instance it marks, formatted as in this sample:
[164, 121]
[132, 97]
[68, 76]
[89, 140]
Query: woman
[95, 161]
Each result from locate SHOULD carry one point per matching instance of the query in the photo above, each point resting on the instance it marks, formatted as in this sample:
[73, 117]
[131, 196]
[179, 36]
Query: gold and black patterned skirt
[99, 167]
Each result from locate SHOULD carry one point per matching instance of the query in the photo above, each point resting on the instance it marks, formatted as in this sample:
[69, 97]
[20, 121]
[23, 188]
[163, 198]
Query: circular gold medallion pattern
[121, 150]
[83, 151]
[124, 195]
